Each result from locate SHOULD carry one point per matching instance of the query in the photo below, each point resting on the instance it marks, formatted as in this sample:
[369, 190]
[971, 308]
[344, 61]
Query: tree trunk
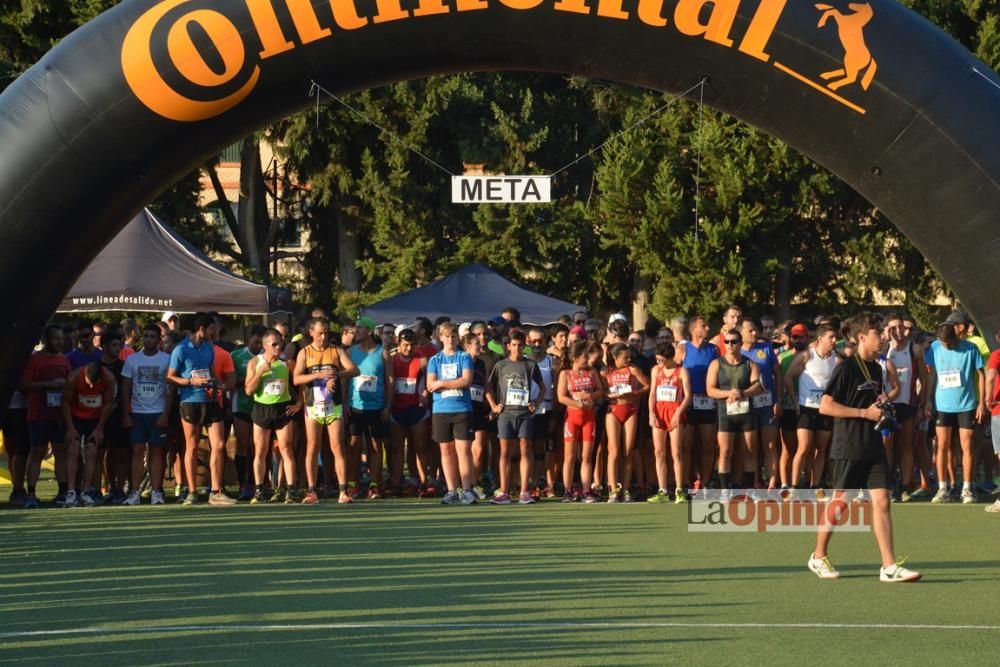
[640, 301]
[349, 245]
[253, 218]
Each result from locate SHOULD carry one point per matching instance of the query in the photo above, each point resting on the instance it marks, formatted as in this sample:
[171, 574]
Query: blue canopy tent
[474, 292]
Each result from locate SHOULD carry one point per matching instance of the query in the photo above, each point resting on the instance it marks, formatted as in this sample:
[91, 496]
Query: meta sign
[501, 189]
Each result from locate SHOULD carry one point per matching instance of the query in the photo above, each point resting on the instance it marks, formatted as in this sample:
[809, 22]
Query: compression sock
[724, 480]
[242, 469]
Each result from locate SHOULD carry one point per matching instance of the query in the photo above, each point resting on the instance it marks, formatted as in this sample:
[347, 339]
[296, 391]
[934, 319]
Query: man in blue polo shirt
[191, 371]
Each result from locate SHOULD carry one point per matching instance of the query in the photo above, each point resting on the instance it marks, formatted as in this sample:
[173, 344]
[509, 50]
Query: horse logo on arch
[858, 60]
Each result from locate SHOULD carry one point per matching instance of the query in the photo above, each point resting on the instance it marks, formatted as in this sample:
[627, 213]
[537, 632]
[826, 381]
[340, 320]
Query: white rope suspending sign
[500, 188]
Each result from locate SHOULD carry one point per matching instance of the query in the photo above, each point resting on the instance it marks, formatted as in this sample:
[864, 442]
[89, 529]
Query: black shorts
[811, 420]
[451, 426]
[46, 431]
[789, 420]
[201, 414]
[850, 474]
[481, 418]
[16, 438]
[115, 436]
[85, 427]
[700, 417]
[368, 422]
[270, 417]
[242, 417]
[409, 416]
[736, 423]
[904, 412]
[965, 420]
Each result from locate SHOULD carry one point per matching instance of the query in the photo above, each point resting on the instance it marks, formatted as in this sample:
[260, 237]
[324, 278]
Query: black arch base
[138, 97]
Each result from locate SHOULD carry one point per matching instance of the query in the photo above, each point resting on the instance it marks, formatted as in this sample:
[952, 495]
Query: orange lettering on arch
[521, 4]
[265, 21]
[575, 6]
[345, 14]
[650, 12]
[720, 19]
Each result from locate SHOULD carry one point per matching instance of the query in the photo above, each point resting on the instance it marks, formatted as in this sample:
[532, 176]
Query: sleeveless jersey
[621, 383]
[734, 376]
[546, 368]
[89, 400]
[273, 387]
[579, 382]
[408, 384]
[905, 373]
[814, 378]
[697, 360]
[317, 362]
[367, 390]
[669, 389]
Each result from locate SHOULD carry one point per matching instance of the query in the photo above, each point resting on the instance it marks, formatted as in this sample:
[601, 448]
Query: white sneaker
[897, 574]
[968, 497]
[942, 496]
[220, 499]
[468, 497]
[995, 507]
[822, 567]
[71, 499]
[157, 498]
[133, 499]
[87, 499]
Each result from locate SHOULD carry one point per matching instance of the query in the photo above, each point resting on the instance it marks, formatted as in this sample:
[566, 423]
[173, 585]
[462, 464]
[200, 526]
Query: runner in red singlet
[668, 403]
[409, 420]
[579, 388]
[626, 386]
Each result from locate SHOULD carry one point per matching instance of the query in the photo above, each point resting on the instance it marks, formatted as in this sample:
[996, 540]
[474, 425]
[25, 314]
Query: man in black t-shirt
[857, 456]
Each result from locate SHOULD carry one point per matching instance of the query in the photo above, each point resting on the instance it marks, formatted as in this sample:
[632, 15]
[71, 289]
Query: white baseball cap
[463, 328]
[169, 315]
[399, 329]
[617, 317]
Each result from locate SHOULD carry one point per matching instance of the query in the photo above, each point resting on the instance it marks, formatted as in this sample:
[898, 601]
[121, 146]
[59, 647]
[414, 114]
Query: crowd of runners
[580, 410]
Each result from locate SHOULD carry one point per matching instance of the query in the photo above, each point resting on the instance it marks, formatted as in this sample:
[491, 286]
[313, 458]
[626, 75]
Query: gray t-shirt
[149, 381]
[511, 383]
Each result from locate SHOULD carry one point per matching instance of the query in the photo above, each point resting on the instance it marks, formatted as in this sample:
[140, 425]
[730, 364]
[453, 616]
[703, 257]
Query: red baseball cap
[800, 330]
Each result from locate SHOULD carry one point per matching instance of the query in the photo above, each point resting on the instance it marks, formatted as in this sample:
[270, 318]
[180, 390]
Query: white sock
[942, 486]
[966, 486]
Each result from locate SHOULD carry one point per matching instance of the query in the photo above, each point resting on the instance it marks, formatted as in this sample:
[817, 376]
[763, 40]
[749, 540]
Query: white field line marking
[567, 625]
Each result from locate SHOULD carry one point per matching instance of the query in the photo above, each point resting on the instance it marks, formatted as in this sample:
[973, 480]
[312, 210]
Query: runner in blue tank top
[695, 356]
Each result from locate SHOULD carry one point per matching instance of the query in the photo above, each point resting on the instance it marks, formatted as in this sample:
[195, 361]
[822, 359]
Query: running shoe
[427, 491]
[920, 494]
[310, 498]
[726, 495]
[660, 497]
[156, 498]
[904, 496]
[220, 498]
[88, 498]
[258, 497]
[60, 499]
[245, 494]
[373, 493]
[190, 499]
[968, 497]
[995, 507]
[627, 497]
[897, 574]
[30, 501]
[279, 495]
[613, 498]
[570, 498]
[71, 499]
[590, 498]
[942, 496]
[451, 498]
[821, 495]
[822, 567]
[345, 499]
[479, 492]
[680, 497]
[468, 497]
[17, 497]
[133, 499]
[526, 499]
[500, 499]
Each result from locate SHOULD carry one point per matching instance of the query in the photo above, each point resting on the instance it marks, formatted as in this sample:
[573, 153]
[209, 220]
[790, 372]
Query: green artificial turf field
[414, 583]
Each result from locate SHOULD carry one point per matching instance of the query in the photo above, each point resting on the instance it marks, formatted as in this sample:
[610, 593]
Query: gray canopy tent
[474, 292]
[148, 267]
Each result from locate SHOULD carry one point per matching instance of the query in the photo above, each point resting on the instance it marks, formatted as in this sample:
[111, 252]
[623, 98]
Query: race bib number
[764, 400]
[950, 379]
[623, 389]
[406, 385]
[703, 403]
[478, 393]
[321, 409]
[274, 387]
[451, 393]
[736, 408]
[92, 402]
[148, 390]
[814, 397]
[517, 398]
[320, 395]
[449, 371]
[366, 384]
[666, 393]
[53, 398]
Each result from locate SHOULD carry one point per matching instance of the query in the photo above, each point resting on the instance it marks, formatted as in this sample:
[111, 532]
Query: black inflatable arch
[133, 100]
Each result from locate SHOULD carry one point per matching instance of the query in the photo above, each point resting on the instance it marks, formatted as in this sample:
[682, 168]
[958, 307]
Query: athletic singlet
[317, 362]
[903, 360]
[622, 384]
[814, 378]
[577, 382]
[477, 390]
[697, 360]
[669, 390]
[734, 376]
[408, 383]
[368, 387]
[273, 385]
[546, 369]
[89, 400]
